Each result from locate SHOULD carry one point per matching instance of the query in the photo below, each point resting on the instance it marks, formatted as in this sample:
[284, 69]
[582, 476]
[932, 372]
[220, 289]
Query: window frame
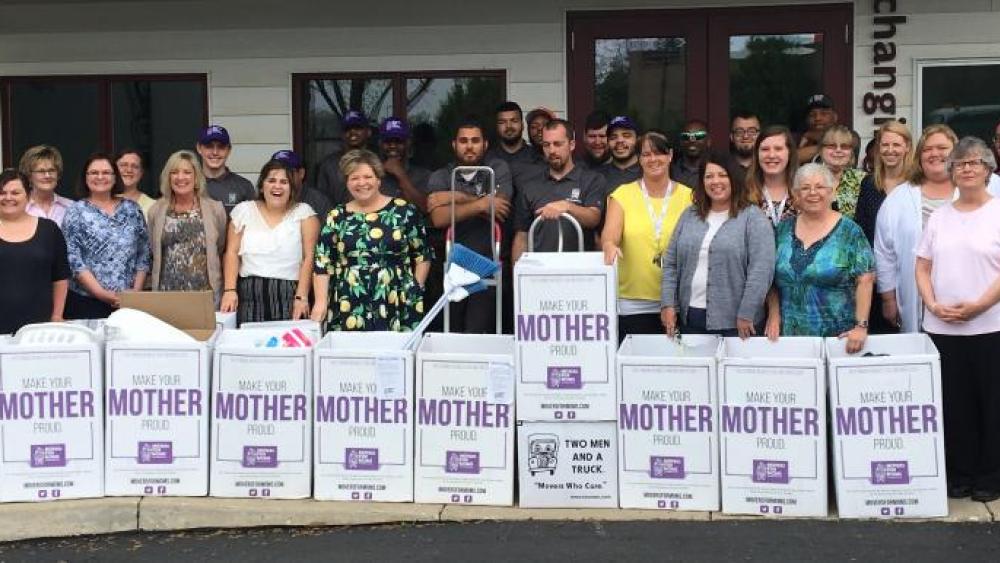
[923, 63]
[104, 84]
[398, 84]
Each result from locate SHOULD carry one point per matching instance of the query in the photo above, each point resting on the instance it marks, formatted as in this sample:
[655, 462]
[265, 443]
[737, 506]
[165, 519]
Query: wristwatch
[861, 324]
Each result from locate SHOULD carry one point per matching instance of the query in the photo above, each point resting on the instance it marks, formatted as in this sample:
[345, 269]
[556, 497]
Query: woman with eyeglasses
[769, 179]
[640, 220]
[824, 268]
[107, 242]
[836, 150]
[42, 165]
[130, 169]
[958, 277]
[901, 222]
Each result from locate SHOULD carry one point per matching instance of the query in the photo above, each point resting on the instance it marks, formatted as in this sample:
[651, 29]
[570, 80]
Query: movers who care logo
[585, 458]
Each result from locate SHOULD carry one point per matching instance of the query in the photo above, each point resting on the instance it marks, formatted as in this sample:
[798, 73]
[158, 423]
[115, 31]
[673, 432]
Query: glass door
[665, 66]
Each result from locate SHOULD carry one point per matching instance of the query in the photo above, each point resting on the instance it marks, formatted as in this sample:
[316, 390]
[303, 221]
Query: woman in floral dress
[372, 257]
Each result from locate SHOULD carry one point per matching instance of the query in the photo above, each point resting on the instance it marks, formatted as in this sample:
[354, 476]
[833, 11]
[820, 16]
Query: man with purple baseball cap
[623, 136]
[308, 195]
[402, 179]
[214, 147]
[356, 131]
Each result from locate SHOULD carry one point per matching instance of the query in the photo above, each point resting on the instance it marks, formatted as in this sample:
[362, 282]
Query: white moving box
[567, 465]
[156, 421]
[363, 434]
[772, 411]
[566, 318]
[465, 419]
[888, 434]
[261, 417]
[51, 414]
[668, 435]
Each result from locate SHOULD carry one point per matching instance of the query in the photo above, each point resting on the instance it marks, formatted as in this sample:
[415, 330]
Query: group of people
[781, 235]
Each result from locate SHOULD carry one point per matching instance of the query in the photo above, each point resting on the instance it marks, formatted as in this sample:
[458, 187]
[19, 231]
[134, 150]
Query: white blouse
[270, 252]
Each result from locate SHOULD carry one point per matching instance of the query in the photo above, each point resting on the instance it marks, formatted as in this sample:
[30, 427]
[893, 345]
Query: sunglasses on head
[693, 135]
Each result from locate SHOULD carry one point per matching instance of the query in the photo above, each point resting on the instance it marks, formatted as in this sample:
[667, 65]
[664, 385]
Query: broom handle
[427, 320]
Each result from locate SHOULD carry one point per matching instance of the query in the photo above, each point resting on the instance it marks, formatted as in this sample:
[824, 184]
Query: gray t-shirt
[418, 177]
[230, 189]
[474, 232]
[615, 176]
[581, 186]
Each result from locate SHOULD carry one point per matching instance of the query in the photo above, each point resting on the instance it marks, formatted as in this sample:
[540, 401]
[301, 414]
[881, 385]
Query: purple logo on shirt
[666, 467]
[890, 473]
[766, 471]
[48, 455]
[361, 459]
[564, 377]
[265, 457]
[462, 462]
[156, 453]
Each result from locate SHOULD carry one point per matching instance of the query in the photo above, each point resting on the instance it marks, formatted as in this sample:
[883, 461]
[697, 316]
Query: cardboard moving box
[772, 402]
[363, 434]
[888, 428]
[156, 421]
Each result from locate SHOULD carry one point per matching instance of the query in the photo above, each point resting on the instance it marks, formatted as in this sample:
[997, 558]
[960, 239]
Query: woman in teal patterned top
[824, 270]
[372, 257]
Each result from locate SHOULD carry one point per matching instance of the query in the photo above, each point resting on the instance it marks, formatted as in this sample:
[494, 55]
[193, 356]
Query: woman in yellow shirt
[641, 217]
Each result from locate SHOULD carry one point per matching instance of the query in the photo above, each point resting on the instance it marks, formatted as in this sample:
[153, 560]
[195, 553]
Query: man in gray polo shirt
[402, 179]
[477, 314]
[623, 136]
[512, 147]
[357, 131]
[562, 188]
[214, 148]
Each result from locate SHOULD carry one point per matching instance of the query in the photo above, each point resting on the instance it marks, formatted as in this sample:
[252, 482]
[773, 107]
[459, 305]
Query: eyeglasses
[96, 173]
[748, 132]
[970, 164]
[129, 166]
[693, 135]
[46, 172]
[817, 189]
[841, 146]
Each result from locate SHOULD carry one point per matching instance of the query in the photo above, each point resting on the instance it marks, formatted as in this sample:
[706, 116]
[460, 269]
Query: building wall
[249, 63]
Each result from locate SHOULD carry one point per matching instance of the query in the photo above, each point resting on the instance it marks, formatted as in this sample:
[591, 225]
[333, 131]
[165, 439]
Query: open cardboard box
[190, 311]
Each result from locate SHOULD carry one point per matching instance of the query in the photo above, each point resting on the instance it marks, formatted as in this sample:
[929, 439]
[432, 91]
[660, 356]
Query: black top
[418, 177]
[319, 202]
[581, 186]
[230, 189]
[615, 176]
[681, 172]
[474, 232]
[29, 268]
[869, 202]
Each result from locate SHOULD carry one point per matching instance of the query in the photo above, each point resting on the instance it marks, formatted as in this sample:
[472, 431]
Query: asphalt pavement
[793, 540]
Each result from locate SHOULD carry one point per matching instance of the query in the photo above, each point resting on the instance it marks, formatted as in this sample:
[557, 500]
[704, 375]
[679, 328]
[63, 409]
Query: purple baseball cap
[622, 122]
[214, 133]
[354, 118]
[819, 101]
[394, 128]
[289, 157]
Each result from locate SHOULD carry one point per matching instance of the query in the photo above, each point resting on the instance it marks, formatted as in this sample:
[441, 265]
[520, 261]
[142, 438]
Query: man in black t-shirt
[214, 148]
[596, 152]
[357, 131]
[623, 136]
[477, 314]
[401, 179]
[562, 188]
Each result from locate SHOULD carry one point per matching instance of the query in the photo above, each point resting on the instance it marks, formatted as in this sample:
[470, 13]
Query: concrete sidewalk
[110, 515]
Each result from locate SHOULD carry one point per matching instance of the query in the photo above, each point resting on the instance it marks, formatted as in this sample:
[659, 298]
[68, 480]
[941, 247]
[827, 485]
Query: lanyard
[772, 212]
[657, 220]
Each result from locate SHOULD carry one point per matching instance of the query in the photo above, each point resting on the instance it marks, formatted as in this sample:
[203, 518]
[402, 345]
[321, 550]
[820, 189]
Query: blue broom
[465, 274]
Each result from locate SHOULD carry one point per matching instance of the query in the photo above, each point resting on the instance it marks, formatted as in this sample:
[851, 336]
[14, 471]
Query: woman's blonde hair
[877, 164]
[172, 163]
[355, 158]
[916, 175]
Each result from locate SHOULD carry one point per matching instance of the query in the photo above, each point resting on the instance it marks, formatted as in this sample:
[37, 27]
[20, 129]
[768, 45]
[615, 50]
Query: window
[945, 96]
[155, 115]
[432, 103]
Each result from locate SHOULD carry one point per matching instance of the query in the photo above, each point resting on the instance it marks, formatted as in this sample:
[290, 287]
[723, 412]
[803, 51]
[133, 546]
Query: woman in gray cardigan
[720, 261]
[187, 230]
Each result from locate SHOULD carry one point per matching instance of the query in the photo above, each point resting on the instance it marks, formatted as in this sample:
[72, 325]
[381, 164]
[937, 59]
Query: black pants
[476, 314]
[646, 323]
[697, 323]
[970, 393]
[81, 307]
